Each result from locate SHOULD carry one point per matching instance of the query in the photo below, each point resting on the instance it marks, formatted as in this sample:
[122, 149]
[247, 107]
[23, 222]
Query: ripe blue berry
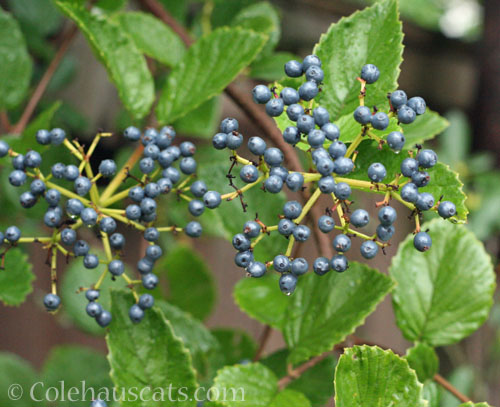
[92, 295]
[27, 199]
[305, 123]
[294, 181]
[148, 206]
[132, 133]
[71, 172]
[32, 159]
[396, 140]
[417, 104]
[117, 241]
[369, 249]
[377, 172]
[292, 209]
[256, 145]
[342, 243]
[273, 156]
[398, 99]
[146, 301]
[281, 263]
[136, 314]
[241, 242]
[420, 178]
[425, 201]
[387, 215]
[256, 269]
[58, 170]
[342, 190]
[165, 137]
[243, 259]
[406, 114]
[301, 233]
[51, 302]
[104, 319]
[321, 116]
[12, 234]
[331, 130]
[343, 166]
[57, 136]
[294, 112]
[188, 165]
[325, 166]
[234, 140]
[409, 166]
[293, 69]
[94, 309]
[422, 241]
[228, 125]
[310, 60]
[151, 234]
[152, 190]
[17, 178]
[427, 158]
[380, 121]
[145, 265]
[193, 229]
[74, 207]
[321, 266]
[286, 227]
[90, 261]
[81, 248]
[289, 96]
[281, 172]
[249, 173]
[362, 115]
[187, 148]
[384, 233]
[337, 149]
[52, 218]
[68, 237]
[288, 283]
[4, 148]
[107, 168]
[409, 192]
[116, 267]
[316, 138]
[447, 209]
[360, 218]
[339, 263]
[147, 165]
[370, 73]
[43, 137]
[166, 158]
[315, 74]
[326, 224]
[273, 184]
[291, 135]
[326, 184]
[299, 266]
[149, 281]
[82, 185]
[164, 185]
[53, 196]
[212, 199]
[37, 187]
[196, 207]
[319, 154]
[198, 188]
[150, 136]
[172, 174]
[261, 94]
[308, 90]
[107, 225]
[89, 216]
[251, 229]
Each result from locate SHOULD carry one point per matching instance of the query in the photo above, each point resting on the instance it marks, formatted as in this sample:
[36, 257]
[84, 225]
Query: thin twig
[445, 384]
[4, 121]
[67, 38]
[264, 337]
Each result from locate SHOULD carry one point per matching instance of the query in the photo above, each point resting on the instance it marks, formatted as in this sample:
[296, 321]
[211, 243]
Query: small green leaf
[126, 65]
[153, 37]
[16, 279]
[201, 122]
[431, 394]
[15, 370]
[431, 286]
[374, 36]
[235, 345]
[206, 69]
[147, 355]
[15, 63]
[191, 285]
[39, 15]
[290, 398]
[73, 364]
[423, 359]
[369, 376]
[324, 310]
[425, 127]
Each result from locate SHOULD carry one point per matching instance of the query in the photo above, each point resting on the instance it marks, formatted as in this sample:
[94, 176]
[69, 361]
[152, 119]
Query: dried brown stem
[264, 337]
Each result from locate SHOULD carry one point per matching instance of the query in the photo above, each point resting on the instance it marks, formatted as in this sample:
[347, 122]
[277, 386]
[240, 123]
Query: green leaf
[431, 394]
[370, 376]
[462, 378]
[324, 310]
[431, 286]
[471, 404]
[148, 354]
[316, 383]
[373, 36]
[251, 293]
[16, 280]
[290, 398]
[39, 15]
[73, 364]
[15, 370]
[77, 276]
[423, 359]
[153, 37]
[235, 345]
[191, 285]
[263, 18]
[126, 65]
[270, 67]
[202, 121]
[425, 127]
[206, 69]
[111, 5]
[15, 63]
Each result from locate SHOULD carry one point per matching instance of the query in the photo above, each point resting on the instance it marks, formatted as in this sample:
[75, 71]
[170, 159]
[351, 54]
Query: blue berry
[82, 185]
[360, 218]
[187, 148]
[425, 201]
[409, 166]
[316, 138]
[89, 216]
[273, 184]
[286, 227]
[152, 190]
[165, 137]
[193, 229]
[52, 196]
[52, 218]
[196, 207]
[261, 94]
[117, 241]
[17, 178]
[243, 259]
[396, 140]
[148, 206]
[319, 154]
[288, 283]
[174, 151]
[256, 269]
[273, 156]
[132, 133]
[292, 209]
[251, 229]
[116, 267]
[71, 172]
[293, 69]
[398, 99]
[321, 116]
[339, 263]
[94, 309]
[164, 185]
[281, 172]
[107, 168]
[370, 73]
[43, 137]
[212, 199]
[291, 135]
[427, 158]
[146, 301]
[315, 73]
[90, 261]
[422, 241]
[289, 96]
[149, 136]
[249, 173]
[326, 184]
[136, 314]
[294, 181]
[417, 104]
[331, 131]
[384, 233]
[57, 136]
[145, 265]
[337, 149]
[310, 60]
[147, 165]
[380, 121]
[32, 159]
[172, 174]
[12, 234]
[149, 281]
[342, 243]
[51, 302]
[387, 215]
[107, 225]
[294, 112]
[326, 224]
[27, 199]
[234, 140]
[377, 172]
[151, 234]
[308, 90]
[92, 295]
[281, 263]
[151, 151]
[420, 178]
[18, 162]
[81, 248]
[299, 266]
[68, 237]
[166, 158]
[343, 166]
[321, 266]
[104, 319]
[241, 242]
[447, 209]
[409, 192]
[325, 166]
[362, 115]
[4, 148]
[256, 145]
[406, 114]
[228, 125]
[301, 233]
[342, 190]
[198, 188]
[74, 207]
[58, 170]
[188, 165]
[37, 187]
[369, 249]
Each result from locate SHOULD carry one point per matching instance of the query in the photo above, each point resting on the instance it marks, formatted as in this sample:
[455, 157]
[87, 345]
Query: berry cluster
[331, 163]
[85, 205]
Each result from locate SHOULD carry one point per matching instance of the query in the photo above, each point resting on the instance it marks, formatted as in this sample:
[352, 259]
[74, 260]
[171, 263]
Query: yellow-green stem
[309, 204]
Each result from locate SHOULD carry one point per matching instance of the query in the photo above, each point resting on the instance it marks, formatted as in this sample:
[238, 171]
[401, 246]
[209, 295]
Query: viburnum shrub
[341, 160]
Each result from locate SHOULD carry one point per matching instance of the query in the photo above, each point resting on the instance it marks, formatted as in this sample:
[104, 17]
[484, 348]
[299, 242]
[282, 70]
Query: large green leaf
[423, 359]
[325, 310]
[16, 280]
[73, 364]
[431, 394]
[290, 398]
[235, 345]
[38, 15]
[431, 287]
[190, 282]
[153, 37]
[148, 355]
[126, 65]
[270, 67]
[207, 68]
[369, 376]
[425, 127]
[15, 63]
[372, 36]
[202, 121]
[14, 370]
